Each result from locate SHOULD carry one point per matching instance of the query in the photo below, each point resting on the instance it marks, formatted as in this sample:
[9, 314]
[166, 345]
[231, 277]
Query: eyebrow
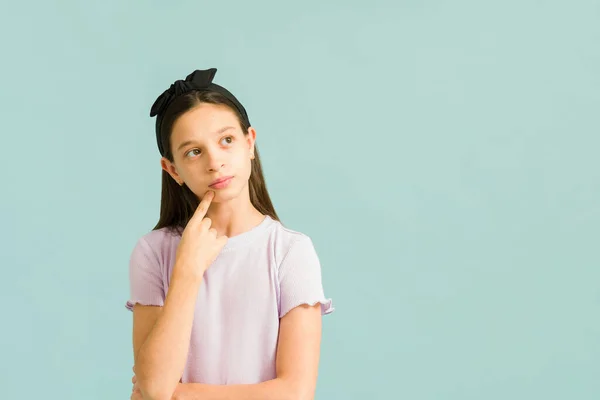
[220, 131]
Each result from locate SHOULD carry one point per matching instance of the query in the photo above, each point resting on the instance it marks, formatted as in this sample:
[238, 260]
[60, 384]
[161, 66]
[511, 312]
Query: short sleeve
[145, 277]
[300, 279]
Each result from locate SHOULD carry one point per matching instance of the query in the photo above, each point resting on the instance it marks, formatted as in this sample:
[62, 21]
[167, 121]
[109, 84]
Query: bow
[197, 80]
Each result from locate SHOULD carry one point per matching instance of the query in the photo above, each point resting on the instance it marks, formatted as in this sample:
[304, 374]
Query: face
[208, 144]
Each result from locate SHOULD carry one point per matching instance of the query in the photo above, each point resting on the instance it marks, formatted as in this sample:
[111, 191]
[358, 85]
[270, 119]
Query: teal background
[443, 156]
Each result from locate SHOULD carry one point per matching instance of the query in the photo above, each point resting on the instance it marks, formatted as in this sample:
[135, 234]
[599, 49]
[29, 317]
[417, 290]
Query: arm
[297, 363]
[160, 357]
[144, 318]
[160, 361]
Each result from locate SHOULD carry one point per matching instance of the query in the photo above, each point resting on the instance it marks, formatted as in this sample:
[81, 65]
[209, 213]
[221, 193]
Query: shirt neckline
[249, 235]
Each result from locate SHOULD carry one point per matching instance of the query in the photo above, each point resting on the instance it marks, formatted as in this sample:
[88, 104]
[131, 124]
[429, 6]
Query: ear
[168, 166]
[251, 139]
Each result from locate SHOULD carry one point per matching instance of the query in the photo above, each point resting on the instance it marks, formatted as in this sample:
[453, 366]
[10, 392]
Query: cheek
[243, 163]
[185, 174]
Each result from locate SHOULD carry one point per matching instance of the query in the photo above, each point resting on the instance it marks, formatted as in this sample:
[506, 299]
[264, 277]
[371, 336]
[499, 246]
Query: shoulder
[290, 241]
[160, 236]
[287, 234]
[156, 244]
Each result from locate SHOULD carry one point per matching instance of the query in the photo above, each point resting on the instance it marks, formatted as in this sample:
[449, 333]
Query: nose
[215, 162]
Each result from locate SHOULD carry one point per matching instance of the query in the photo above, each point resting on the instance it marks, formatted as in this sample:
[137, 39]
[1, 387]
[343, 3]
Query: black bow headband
[197, 80]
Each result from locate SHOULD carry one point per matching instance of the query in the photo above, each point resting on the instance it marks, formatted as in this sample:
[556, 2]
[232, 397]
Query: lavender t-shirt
[257, 278]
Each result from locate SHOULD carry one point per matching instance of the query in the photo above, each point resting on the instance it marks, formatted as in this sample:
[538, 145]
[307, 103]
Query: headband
[197, 80]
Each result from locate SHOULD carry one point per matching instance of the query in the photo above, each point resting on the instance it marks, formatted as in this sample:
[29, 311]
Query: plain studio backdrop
[443, 156]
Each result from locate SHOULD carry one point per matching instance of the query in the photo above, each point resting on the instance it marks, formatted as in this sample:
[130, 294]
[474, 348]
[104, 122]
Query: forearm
[161, 359]
[275, 389]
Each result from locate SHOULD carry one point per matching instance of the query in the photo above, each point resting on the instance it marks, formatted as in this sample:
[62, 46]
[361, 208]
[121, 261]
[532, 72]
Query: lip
[221, 182]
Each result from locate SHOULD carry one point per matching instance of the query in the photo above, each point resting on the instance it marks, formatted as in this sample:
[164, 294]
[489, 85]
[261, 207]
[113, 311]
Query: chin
[222, 196]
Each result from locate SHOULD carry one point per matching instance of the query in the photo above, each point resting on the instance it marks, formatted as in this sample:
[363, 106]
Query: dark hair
[178, 203]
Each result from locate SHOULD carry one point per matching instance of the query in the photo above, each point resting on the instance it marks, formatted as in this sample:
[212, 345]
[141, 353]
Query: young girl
[226, 301]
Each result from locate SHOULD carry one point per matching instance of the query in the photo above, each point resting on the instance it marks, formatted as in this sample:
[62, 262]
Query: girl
[226, 301]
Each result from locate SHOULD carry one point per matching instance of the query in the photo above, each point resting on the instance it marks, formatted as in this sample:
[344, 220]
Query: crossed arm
[297, 363]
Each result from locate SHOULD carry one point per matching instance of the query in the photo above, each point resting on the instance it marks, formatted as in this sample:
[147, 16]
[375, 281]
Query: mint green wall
[442, 155]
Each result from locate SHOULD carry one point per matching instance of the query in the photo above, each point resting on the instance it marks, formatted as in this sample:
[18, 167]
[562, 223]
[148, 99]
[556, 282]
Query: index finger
[203, 206]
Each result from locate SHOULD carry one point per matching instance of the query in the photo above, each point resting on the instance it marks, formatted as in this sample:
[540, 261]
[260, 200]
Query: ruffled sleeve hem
[326, 306]
[153, 302]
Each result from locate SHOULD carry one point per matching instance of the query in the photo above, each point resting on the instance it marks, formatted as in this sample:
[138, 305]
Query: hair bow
[197, 80]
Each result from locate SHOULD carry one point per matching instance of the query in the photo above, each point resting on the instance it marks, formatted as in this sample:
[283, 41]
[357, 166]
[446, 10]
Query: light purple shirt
[257, 278]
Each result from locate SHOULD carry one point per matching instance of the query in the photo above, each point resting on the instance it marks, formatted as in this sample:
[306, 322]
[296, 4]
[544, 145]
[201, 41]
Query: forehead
[203, 121]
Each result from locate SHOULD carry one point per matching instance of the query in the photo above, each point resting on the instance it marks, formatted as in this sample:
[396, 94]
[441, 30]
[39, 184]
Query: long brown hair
[178, 203]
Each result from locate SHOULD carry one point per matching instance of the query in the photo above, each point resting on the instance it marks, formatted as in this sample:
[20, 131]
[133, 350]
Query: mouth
[221, 182]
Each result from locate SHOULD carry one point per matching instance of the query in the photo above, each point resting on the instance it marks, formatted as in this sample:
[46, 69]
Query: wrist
[185, 271]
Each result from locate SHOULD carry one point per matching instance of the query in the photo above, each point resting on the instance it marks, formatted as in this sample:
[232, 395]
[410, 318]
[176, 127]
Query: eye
[230, 139]
[193, 152]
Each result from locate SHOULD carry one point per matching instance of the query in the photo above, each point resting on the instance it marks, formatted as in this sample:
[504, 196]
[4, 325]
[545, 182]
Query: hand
[199, 245]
